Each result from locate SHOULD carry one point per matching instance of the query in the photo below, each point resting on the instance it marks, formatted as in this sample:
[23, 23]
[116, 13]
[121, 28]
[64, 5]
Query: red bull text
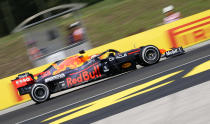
[84, 76]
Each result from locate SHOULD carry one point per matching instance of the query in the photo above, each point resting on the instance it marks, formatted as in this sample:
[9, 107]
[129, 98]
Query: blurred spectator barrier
[185, 32]
[170, 14]
[47, 41]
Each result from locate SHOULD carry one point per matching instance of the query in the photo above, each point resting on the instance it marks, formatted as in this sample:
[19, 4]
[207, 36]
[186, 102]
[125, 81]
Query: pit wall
[185, 32]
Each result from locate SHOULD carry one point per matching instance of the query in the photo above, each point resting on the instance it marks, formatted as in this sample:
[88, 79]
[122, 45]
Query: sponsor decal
[190, 33]
[22, 75]
[126, 65]
[93, 72]
[22, 82]
[171, 52]
[105, 69]
[56, 77]
[62, 84]
[121, 56]
[175, 51]
[45, 74]
[71, 62]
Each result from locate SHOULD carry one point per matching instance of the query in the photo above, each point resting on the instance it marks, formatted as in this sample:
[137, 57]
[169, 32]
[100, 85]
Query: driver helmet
[83, 56]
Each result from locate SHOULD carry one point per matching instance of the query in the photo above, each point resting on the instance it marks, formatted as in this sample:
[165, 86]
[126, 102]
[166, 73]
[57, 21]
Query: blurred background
[101, 21]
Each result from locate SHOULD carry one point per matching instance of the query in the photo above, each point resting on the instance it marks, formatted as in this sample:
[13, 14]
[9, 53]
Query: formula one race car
[71, 72]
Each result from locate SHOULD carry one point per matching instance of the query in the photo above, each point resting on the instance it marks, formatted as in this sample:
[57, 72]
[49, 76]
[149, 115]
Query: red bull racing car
[71, 72]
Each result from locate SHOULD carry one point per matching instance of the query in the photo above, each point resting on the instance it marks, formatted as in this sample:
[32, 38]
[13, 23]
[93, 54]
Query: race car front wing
[174, 52]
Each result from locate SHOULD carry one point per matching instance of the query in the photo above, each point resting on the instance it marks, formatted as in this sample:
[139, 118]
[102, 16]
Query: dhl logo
[190, 33]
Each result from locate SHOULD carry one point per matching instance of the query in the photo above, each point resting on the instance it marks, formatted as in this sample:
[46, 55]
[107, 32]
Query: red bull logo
[71, 62]
[46, 73]
[84, 76]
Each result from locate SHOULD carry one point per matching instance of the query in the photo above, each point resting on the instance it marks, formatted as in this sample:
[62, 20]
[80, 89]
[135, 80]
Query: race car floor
[120, 94]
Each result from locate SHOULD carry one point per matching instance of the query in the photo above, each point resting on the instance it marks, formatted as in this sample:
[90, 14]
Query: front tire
[149, 55]
[40, 93]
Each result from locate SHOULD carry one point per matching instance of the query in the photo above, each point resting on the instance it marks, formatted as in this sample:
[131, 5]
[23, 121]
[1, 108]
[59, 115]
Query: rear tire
[40, 93]
[149, 55]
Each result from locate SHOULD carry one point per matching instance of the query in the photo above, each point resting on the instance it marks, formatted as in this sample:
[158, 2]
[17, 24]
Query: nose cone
[162, 51]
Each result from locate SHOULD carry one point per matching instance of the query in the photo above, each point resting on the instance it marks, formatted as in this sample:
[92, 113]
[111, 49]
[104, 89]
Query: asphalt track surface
[169, 74]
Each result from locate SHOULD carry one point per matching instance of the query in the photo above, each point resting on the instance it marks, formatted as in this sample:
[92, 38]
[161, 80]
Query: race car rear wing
[23, 80]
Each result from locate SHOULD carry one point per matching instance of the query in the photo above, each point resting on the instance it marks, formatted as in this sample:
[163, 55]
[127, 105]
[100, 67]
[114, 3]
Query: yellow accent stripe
[110, 100]
[198, 69]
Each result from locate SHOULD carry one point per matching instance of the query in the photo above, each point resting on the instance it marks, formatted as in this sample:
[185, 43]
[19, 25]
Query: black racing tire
[149, 55]
[40, 93]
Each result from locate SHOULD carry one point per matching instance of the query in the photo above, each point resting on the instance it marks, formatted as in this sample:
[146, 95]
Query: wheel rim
[40, 93]
[150, 54]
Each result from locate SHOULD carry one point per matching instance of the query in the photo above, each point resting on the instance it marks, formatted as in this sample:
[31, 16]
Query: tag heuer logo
[59, 76]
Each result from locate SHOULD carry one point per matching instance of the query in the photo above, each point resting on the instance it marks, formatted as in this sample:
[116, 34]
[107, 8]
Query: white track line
[111, 90]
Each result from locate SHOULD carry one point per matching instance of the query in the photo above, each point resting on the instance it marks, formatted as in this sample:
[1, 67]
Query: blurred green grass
[115, 19]
[105, 22]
